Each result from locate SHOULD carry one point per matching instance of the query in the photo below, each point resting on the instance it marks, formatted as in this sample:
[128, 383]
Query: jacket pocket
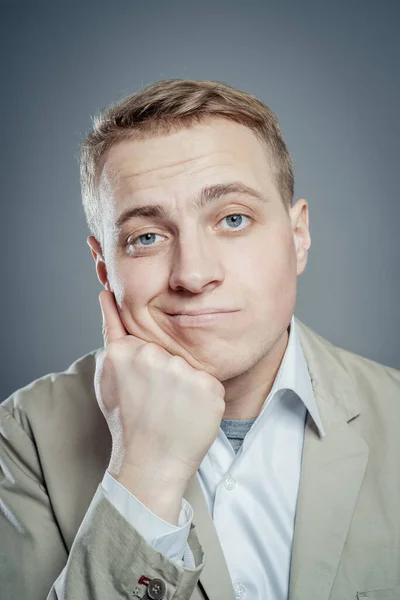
[382, 594]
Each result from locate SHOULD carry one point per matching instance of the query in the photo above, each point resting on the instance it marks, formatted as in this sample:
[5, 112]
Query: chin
[225, 369]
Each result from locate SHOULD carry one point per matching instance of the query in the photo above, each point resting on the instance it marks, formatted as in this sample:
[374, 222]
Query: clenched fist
[162, 413]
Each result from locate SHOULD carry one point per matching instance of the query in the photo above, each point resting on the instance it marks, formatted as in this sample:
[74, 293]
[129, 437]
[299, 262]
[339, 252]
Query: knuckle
[114, 353]
[179, 366]
[151, 348]
[220, 388]
[111, 353]
[149, 353]
[204, 379]
[177, 362]
[213, 384]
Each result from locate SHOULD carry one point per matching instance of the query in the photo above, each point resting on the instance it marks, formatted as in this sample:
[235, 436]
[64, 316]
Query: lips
[203, 319]
[201, 311]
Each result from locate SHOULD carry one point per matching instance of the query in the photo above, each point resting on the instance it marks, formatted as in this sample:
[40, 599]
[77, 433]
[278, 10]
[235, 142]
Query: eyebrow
[206, 196]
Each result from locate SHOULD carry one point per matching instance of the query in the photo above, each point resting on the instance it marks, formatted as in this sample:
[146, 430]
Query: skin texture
[202, 258]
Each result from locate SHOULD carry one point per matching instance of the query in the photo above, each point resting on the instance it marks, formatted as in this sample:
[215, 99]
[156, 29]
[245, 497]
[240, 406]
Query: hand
[162, 413]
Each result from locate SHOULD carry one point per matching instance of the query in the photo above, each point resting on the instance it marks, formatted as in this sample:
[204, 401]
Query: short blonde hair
[169, 105]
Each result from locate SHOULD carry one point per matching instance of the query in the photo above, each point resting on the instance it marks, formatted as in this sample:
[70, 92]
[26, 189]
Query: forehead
[178, 164]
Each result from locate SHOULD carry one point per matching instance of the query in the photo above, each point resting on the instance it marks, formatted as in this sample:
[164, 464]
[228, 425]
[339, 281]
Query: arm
[108, 555]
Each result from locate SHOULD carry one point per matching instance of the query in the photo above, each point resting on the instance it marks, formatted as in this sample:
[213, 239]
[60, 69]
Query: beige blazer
[61, 538]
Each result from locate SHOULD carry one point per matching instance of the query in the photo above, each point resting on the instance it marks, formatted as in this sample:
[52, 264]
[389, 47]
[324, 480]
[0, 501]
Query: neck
[246, 393]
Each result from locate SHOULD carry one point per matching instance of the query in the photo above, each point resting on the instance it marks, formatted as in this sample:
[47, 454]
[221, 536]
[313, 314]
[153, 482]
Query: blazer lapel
[332, 472]
[215, 580]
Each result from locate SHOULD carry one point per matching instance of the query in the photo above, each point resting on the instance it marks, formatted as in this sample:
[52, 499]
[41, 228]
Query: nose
[196, 265]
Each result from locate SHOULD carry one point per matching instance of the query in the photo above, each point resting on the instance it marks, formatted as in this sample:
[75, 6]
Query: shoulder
[378, 391]
[367, 371]
[55, 397]
[363, 370]
[355, 383]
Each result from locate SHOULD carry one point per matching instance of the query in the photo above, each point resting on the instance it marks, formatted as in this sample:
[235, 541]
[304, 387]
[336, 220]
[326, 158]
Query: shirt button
[240, 591]
[156, 589]
[230, 483]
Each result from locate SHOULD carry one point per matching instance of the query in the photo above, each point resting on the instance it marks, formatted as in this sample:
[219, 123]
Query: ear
[301, 234]
[101, 268]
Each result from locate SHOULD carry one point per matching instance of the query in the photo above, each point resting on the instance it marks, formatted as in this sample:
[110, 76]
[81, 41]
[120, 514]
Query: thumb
[113, 328]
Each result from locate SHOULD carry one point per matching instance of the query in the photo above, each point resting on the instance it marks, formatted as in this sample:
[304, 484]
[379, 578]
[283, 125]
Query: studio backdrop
[329, 70]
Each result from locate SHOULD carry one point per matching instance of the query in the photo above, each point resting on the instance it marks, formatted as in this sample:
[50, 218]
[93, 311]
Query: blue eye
[149, 236]
[146, 235]
[238, 219]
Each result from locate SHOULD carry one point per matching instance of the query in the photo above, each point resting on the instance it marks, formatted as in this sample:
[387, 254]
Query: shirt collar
[293, 375]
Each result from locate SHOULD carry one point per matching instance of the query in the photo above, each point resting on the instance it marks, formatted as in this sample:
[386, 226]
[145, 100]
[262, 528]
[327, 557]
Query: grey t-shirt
[235, 430]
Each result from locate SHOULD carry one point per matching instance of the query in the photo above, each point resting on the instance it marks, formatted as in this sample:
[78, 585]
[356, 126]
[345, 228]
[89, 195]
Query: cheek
[135, 282]
[136, 285]
[270, 273]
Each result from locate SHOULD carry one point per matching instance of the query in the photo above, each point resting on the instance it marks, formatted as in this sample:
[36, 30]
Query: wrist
[168, 474]
[159, 494]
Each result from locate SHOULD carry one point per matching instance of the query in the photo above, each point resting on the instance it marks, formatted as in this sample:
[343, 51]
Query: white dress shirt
[251, 495]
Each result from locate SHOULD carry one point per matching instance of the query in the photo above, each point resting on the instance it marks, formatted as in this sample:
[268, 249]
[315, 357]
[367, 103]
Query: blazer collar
[334, 387]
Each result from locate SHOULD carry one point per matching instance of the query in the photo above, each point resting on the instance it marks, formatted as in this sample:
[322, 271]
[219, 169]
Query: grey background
[330, 70]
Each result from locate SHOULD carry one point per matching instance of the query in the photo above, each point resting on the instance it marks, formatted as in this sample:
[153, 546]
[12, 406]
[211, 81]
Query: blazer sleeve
[169, 539]
[108, 556]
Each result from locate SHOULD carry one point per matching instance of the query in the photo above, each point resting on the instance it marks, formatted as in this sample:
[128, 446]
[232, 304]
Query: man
[216, 447]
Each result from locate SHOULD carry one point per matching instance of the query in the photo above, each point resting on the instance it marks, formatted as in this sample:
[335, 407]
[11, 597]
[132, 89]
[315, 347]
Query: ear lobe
[102, 275]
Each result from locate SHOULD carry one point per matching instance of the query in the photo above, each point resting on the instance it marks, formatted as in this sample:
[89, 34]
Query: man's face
[236, 253]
